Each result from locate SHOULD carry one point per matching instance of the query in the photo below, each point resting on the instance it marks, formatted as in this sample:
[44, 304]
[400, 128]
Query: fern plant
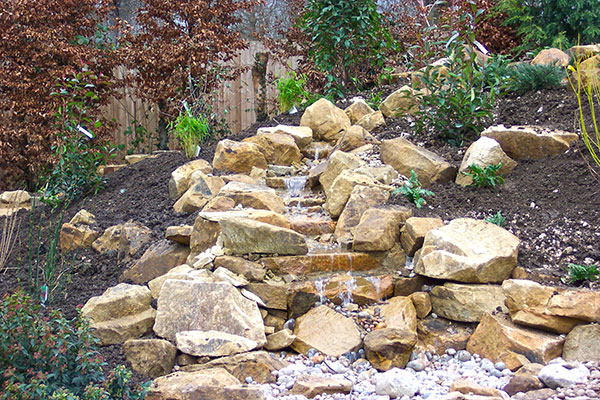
[413, 191]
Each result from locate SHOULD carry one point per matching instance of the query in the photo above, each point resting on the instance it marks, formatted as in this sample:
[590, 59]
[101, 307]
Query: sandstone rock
[258, 365]
[527, 303]
[584, 51]
[354, 137]
[485, 151]
[121, 313]
[338, 162]
[156, 261]
[371, 121]
[468, 250]
[219, 203]
[400, 313]
[361, 199]
[190, 305]
[278, 148]
[311, 225]
[135, 158]
[317, 151]
[405, 156]
[221, 274]
[341, 189]
[326, 331]
[326, 120]
[358, 109]
[530, 142]
[402, 101]
[180, 178]
[311, 386]
[415, 229]
[524, 380]
[248, 269]
[280, 340]
[406, 286]
[128, 238]
[378, 229]
[582, 344]
[179, 234]
[302, 135]
[212, 343]
[576, 304]
[389, 347]
[273, 295]
[204, 234]
[83, 218]
[499, 339]
[560, 374]
[422, 303]
[179, 272]
[339, 261]
[202, 188]
[551, 56]
[150, 357]
[467, 387]
[246, 236]
[238, 157]
[439, 334]
[384, 174]
[207, 384]
[15, 198]
[74, 237]
[466, 303]
[397, 383]
[254, 196]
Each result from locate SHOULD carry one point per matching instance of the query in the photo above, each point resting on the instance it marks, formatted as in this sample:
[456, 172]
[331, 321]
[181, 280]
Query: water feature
[320, 288]
[295, 185]
[376, 282]
[346, 293]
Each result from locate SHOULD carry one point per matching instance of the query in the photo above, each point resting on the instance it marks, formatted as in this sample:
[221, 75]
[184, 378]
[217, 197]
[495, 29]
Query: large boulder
[121, 313]
[342, 187]
[180, 178]
[77, 236]
[354, 137]
[372, 121]
[361, 199]
[238, 265]
[414, 231]
[302, 135]
[466, 303]
[157, 260]
[483, 152]
[499, 339]
[405, 157]
[530, 142]
[202, 188]
[253, 196]
[127, 238]
[389, 347]
[582, 344]
[278, 148]
[552, 56]
[150, 357]
[338, 162]
[468, 250]
[246, 236]
[212, 343]
[189, 305]
[402, 101]
[326, 120]
[399, 313]
[326, 331]
[378, 229]
[358, 109]
[259, 365]
[231, 156]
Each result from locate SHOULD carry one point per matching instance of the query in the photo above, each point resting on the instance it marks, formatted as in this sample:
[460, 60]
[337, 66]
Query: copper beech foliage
[181, 49]
[38, 47]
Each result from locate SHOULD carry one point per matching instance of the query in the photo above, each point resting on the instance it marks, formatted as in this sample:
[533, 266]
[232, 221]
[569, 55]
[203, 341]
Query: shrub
[291, 91]
[190, 131]
[579, 273]
[485, 177]
[413, 191]
[557, 23]
[348, 41]
[526, 77]
[45, 356]
[497, 219]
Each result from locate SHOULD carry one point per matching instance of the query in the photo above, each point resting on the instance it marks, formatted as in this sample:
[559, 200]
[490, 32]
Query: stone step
[323, 262]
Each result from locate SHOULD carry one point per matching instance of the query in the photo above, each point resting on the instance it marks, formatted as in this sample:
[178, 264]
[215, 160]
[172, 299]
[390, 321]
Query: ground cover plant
[485, 176]
[413, 191]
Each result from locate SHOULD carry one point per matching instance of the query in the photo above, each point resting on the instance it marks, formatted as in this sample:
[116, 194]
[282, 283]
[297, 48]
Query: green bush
[190, 130]
[413, 191]
[348, 42]
[485, 177]
[526, 77]
[556, 23]
[45, 356]
[291, 91]
[579, 273]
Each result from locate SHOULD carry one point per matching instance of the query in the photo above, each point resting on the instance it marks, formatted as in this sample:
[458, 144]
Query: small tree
[180, 53]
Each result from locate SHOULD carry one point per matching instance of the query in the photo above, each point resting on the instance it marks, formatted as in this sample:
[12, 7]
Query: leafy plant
[291, 91]
[526, 77]
[579, 273]
[556, 23]
[374, 100]
[485, 177]
[413, 190]
[45, 356]
[78, 152]
[497, 219]
[348, 41]
[190, 130]
[460, 95]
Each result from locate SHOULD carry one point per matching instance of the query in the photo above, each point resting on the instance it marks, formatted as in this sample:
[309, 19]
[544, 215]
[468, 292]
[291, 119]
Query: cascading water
[376, 282]
[320, 288]
[346, 294]
[295, 185]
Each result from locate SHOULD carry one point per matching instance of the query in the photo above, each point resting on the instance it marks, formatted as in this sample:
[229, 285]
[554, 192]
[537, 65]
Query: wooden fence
[237, 101]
